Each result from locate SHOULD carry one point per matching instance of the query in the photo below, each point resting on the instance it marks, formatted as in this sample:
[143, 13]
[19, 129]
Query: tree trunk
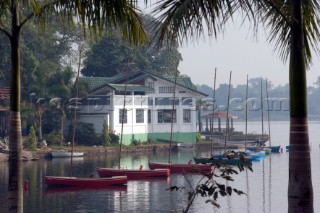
[300, 191]
[15, 202]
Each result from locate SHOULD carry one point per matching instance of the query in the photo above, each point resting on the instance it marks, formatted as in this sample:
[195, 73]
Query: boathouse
[146, 102]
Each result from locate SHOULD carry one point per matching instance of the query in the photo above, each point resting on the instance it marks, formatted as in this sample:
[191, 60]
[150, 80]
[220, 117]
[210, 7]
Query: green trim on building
[128, 138]
[187, 137]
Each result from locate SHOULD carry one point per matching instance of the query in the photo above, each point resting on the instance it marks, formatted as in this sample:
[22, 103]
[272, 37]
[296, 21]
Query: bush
[198, 137]
[105, 138]
[85, 134]
[32, 139]
[53, 138]
[115, 139]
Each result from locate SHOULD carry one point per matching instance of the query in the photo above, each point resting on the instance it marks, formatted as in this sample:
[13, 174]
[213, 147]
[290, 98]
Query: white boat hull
[65, 154]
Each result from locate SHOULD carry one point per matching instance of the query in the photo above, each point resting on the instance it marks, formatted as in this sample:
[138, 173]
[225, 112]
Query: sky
[239, 52]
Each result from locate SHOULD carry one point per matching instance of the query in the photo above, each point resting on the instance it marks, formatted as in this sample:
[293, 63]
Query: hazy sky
[239, 52]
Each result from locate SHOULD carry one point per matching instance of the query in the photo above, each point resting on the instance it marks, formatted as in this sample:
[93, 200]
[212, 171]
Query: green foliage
[136, 142]
[105, 137]
[109, 56]
[198, 137]
[209, 185]
[115, 139]
[53, 138]
[32, 139]
[85, 134]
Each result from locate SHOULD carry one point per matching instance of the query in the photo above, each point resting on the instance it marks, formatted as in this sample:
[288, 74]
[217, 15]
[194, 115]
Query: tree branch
[273, 6]
[5, 32]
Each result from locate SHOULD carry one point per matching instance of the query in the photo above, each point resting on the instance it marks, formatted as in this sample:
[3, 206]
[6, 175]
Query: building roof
[216, 115]
[118, 81]
[131, 87]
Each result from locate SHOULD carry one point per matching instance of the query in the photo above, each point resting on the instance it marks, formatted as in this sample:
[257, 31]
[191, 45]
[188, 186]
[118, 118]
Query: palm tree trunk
[15, 201]
[300, 191]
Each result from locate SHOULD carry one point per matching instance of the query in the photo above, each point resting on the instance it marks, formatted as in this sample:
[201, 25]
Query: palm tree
[122, 15]
[293, 26]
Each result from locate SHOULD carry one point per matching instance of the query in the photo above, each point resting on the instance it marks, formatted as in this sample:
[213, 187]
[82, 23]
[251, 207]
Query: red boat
[181, 168]
[85, 182]
[134, 174]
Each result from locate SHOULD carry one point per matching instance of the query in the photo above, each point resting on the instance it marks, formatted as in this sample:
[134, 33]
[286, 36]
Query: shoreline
[91, 151]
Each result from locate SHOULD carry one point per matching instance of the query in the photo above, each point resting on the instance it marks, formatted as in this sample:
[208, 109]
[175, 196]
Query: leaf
[215, 204]
[222, 193]
[172, 188]
[229, 190]
[215, 196]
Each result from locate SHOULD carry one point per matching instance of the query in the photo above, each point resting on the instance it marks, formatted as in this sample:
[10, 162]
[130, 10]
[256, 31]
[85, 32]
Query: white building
[148, 109]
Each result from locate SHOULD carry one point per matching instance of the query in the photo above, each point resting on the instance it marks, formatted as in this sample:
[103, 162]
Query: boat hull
[85, 182]
[235, 161]
[133, 174]
[181, 168]
[65, 154]
[274, 149]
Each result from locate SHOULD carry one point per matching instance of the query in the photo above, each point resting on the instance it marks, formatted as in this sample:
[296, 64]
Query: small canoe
[65, 154]
[133, 174]
[232, 161]
[181, 168]
[85, 182]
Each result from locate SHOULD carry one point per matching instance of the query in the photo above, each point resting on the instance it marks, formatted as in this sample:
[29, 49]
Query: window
[166, 116]
[139, 116]
[149, 116]
[186, 101]
[166, 89]
[150, 101]
[165, 101]
[151, 85]
[121, 112]
[186, 116]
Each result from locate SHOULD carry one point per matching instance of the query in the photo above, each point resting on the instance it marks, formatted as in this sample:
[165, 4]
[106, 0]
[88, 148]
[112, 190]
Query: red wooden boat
[181, 168]
[85, 182]
[133, 174]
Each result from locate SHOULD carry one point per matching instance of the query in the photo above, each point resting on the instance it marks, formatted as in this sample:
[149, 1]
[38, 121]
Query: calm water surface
[266, 186]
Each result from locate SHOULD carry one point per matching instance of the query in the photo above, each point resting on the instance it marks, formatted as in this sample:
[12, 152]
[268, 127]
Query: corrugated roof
[95, 82]
[183, 81]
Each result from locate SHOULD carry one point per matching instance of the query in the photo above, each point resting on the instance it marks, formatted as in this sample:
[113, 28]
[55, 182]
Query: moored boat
[85, 182]
[133, 174]
[65, 154]
[181, 168]
[274, 149]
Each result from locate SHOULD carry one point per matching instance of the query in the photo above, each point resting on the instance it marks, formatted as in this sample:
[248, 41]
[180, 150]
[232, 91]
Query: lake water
[266, 187]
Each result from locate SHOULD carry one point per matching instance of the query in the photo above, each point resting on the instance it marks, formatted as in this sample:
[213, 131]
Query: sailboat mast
[245, 142]
[75, 112]
[123, 113]
[227, 118]
[261, 111]
[172, 113]
[267, 94]
[213, 101]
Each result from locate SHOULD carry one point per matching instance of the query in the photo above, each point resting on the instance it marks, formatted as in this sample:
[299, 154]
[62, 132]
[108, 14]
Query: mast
[123, 112]
[213, 100]
[261, 112]
[173, 108]
[268, 111]
[75, 113]
[227, 119]
[245, 142]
